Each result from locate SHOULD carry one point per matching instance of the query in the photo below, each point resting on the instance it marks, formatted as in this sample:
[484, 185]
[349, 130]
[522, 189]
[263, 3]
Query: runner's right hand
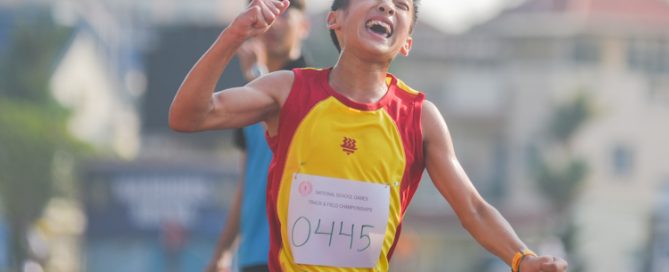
[258, 17]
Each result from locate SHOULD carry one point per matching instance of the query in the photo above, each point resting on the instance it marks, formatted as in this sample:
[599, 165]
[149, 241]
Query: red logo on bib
[305, 188]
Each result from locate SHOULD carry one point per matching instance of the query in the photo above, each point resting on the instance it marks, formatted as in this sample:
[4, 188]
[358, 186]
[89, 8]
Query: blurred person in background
[280, 48]
[353, 128]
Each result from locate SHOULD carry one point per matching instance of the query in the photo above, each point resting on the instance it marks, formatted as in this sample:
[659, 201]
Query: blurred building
[159, 205]
[656, 257]
[110, 43]
[498, 84]
[100, 78]
[153, 216]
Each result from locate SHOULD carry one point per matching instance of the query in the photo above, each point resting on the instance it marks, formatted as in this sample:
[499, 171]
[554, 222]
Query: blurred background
[559, 110]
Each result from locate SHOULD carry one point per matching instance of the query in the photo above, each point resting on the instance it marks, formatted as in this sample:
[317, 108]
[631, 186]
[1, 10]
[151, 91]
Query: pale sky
[448, 15]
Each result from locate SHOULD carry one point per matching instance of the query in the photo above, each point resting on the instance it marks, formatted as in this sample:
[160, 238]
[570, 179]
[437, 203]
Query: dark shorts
[256, 268]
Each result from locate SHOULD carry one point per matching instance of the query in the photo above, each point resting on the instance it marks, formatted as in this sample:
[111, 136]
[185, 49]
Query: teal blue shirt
[254, 228]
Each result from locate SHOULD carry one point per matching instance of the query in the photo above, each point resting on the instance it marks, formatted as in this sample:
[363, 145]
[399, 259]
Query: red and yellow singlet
[324, 134]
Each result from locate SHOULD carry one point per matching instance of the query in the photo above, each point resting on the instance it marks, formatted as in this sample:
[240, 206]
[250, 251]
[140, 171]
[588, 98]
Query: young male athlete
[280, 48]
[350, 143]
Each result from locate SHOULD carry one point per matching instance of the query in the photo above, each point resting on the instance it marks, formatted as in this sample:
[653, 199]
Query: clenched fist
[543, 264]
[258, 17]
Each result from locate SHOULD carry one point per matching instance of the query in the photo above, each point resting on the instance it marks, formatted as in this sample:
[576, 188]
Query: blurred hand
[252, 53]
[543, 264]
[258, 18]
[212, 267]
[220, 264]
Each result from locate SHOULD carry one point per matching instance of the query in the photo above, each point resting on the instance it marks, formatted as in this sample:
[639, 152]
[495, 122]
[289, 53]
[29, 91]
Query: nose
[386, 8]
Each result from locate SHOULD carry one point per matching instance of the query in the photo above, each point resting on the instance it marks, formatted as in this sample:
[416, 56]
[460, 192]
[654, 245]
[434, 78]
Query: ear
[406, 48]
[333, 20]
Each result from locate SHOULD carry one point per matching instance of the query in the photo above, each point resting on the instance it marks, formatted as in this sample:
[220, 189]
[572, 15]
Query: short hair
[296, 4]
[343, 4]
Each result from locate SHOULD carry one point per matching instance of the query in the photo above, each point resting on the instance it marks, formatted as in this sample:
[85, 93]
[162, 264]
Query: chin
[380, 49]
[376, 46]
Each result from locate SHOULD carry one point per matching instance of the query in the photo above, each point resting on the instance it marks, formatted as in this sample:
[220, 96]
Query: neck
[359, 80]
[275, 63]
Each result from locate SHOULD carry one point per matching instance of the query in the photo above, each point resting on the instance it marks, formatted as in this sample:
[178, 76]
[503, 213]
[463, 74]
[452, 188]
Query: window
[648, 56]
[623, 161]
[586, 51]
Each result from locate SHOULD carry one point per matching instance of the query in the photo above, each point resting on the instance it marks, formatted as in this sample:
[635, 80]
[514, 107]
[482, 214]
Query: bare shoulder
[432, 121]
[430, 110]
[275, 84]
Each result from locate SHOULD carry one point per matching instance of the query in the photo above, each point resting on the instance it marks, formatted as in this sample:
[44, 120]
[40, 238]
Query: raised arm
[196, 107]
[478, 217]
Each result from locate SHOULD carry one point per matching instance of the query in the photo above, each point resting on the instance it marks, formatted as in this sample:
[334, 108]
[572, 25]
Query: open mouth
[380, 27]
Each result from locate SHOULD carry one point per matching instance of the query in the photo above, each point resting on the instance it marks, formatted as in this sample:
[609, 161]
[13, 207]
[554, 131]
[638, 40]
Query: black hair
[343, 4]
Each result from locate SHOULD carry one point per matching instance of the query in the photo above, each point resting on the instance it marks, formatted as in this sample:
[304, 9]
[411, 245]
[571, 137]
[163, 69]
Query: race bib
[337, 222]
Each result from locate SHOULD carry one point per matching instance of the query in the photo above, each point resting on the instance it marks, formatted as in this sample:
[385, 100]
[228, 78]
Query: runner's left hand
[543, 264]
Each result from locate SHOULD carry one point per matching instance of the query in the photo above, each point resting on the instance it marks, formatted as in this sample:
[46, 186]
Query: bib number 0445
[303, 229]
[336, 222]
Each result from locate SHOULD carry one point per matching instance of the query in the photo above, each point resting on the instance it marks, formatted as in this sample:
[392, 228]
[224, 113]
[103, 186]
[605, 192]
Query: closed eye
[403, 6]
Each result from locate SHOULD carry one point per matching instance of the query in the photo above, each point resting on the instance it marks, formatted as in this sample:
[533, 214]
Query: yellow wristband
[515, 263]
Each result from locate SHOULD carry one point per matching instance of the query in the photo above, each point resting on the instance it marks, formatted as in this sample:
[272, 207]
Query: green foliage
[569, 117]
[559, 182]
[29, 138]
[570, 236]
[560, 175]
[25, 70]
[32, 124]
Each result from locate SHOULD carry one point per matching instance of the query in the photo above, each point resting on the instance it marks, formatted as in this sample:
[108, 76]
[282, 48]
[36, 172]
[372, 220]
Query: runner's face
[380, 26]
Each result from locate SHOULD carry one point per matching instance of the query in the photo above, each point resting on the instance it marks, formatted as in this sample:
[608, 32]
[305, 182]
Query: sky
[447, 15]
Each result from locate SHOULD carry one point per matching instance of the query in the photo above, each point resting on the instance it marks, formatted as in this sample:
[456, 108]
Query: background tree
[32, 124]
[559, 173]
